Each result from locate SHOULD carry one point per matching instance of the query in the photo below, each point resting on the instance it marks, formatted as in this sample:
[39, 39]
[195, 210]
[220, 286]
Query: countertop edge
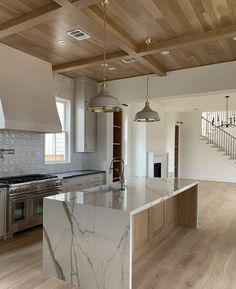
[74, 175]
[141, 208]
[162, 199]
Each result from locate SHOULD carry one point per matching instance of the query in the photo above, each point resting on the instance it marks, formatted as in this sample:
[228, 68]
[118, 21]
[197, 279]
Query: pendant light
[147, 114]
[104, 102]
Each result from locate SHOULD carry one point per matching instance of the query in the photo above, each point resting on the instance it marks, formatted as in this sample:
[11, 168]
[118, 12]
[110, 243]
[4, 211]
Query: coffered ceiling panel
[165, 19]
[116, 70]
[199, 55]
[10, 9]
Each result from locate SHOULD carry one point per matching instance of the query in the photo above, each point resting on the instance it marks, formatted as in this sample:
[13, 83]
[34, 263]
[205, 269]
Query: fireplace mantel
[157, 157]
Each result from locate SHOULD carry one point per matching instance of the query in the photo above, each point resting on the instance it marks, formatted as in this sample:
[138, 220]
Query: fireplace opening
[157, 170]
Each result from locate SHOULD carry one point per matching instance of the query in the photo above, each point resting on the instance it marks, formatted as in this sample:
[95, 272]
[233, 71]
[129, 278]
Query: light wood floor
[198, 259]
[21, 263]
[201, 259]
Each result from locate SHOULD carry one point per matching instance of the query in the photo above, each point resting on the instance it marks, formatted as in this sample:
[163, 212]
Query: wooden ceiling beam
[30, 19]
[120, 39]
[123, 41]
[38, 16]
[78, 64]
[191, 40]
[84, 3]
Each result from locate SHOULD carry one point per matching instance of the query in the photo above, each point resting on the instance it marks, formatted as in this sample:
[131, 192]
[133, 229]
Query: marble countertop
[79, 173]
[140, 193]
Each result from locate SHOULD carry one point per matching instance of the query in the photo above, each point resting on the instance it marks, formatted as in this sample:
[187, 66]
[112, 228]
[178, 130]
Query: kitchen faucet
[121, 177]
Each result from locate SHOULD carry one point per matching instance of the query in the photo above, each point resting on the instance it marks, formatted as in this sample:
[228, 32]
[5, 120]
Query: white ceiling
[202, 103]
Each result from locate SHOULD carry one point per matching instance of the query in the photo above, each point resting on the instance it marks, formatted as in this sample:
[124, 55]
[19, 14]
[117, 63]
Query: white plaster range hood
[27, 100]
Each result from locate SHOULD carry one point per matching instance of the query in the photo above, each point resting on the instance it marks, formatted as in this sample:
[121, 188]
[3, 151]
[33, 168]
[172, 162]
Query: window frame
[67, 131]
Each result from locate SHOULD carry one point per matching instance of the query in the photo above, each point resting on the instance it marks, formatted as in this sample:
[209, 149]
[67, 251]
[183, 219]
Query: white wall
[149, 137]
[211, 79]
[138, 144]
[156, 140]
[197, 159]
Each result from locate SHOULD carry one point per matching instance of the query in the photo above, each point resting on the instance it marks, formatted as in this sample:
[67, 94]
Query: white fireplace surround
[157, 157]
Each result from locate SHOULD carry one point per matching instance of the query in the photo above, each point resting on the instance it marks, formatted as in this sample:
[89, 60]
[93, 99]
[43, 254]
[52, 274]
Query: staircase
[219, 139]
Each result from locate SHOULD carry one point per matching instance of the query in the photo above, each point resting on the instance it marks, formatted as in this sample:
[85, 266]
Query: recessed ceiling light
[61, 42]
[112, 68]
[234, 38]
[104, 64]
[165, 52]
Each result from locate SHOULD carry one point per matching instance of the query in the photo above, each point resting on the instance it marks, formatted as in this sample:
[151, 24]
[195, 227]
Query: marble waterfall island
[92, 238]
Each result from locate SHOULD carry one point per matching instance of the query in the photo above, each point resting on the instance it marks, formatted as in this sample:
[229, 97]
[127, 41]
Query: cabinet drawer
[96, 183]
[95, 180]
[74, 184]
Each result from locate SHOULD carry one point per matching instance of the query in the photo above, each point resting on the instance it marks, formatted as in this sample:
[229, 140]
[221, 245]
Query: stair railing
[219, 138]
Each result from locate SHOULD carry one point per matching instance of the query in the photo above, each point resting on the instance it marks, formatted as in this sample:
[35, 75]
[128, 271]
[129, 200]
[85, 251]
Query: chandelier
[230, 120]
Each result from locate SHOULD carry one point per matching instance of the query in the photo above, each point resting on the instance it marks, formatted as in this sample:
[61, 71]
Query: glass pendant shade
[104, 102]
[147, 114]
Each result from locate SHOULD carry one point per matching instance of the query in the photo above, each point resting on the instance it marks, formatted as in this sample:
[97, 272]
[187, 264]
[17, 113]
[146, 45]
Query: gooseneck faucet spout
[121, 177]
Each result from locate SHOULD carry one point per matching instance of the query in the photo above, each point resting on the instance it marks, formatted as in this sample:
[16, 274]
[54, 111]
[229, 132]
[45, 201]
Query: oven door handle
[46, 193]
[18, 196]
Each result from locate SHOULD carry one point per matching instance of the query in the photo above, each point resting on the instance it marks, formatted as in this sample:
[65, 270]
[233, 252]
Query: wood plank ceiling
[195, 32]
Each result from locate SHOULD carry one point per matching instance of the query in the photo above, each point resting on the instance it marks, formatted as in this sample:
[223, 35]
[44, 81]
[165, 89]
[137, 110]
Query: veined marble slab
[86, 246]
[88, 235]
[140, 194]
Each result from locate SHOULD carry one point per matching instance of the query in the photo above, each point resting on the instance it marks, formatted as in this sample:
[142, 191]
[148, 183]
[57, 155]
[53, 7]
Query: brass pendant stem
[104, 4]
[148, 41]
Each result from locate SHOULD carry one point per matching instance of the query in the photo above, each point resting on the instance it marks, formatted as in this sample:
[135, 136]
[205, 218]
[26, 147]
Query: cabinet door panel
[140, 229]
[171, 210]
[75, 184]
[90, 122]
[65, 186]
[156, 219]
[85, 121]
[2, 212]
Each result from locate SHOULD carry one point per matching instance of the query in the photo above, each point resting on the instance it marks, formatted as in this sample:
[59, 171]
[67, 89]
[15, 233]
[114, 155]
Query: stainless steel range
[25, 199]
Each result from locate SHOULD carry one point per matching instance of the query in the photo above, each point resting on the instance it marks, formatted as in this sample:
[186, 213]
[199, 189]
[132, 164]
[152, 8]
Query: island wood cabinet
[2, 213]
[80, 183]
[85, 121]
[150, 224]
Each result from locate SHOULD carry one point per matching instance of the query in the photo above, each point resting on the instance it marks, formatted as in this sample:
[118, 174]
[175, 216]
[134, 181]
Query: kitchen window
[57, 145]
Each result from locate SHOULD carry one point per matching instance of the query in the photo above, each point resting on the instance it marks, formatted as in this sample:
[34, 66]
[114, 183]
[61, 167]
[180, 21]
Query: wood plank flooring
[201, 259]
[198, 259]
[21, 263]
